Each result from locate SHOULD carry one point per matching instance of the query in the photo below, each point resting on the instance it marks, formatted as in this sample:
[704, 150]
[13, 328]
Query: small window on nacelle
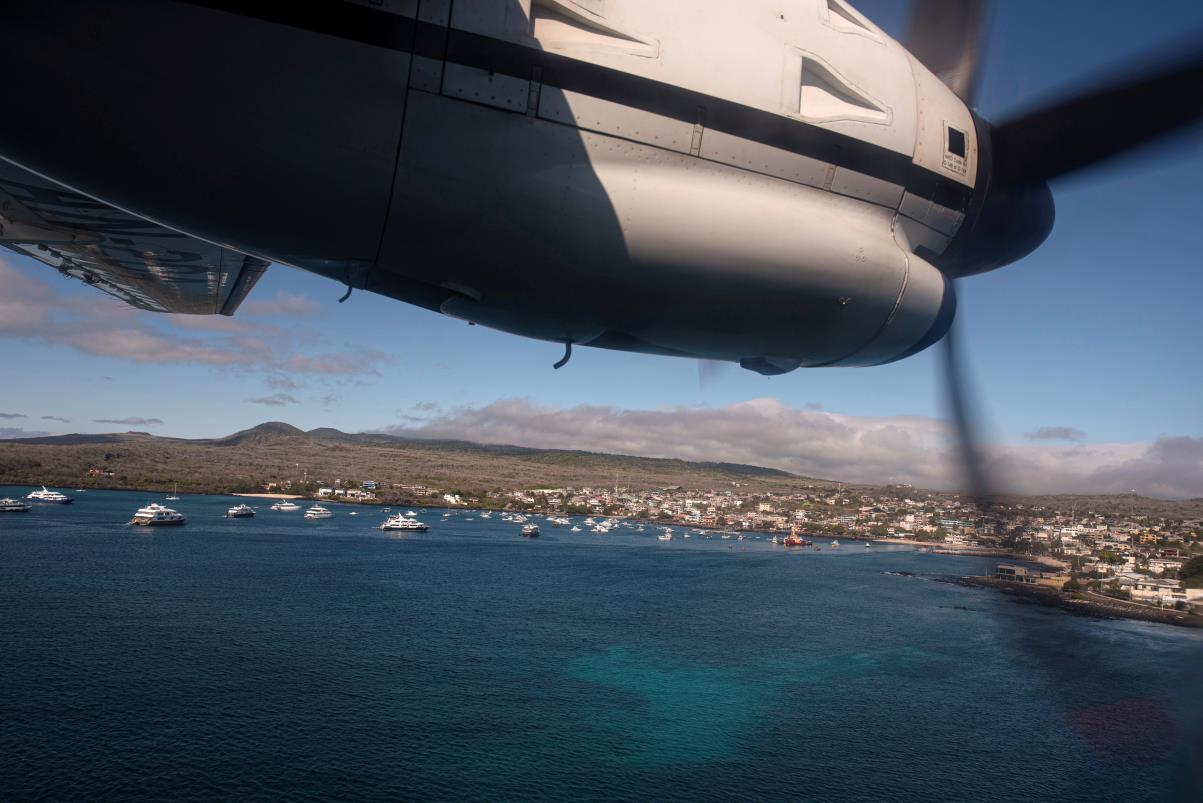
[956, 142]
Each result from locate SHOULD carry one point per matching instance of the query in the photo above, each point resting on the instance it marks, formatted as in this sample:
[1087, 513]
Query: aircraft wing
[142, 263]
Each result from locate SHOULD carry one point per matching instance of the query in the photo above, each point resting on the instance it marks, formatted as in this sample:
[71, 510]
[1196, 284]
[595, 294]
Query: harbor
[687, 663]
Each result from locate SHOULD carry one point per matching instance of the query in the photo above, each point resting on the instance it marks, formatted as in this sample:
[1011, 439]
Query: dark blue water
[280, 658]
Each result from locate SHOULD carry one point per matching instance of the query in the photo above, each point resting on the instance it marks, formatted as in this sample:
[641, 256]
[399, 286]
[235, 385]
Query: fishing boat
[318, 512]
[8, 505]
[530, 531]
[240, 512]
[155, 515]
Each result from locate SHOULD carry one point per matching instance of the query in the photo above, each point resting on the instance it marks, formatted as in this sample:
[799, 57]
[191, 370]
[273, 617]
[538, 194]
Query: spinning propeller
[1104, 118]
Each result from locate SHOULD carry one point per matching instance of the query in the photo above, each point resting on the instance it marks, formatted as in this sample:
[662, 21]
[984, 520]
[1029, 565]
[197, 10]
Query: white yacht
[156, 514]
[286, 505]
[49, 497]
[399, 522]
[318, 512]
[8, 505]
[530, 531]
[240, 512]
[410, 513]
[665, 536]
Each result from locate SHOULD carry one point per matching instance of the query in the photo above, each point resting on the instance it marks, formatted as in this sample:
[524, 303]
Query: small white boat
[286, 506]
[666, 537]
[576, 529]
[410, 513]
[48, 497]
[835, 544]
[240, 512]
[156, 514]
[399, 522]
[530, 531]
[318, 512]
[868, 544]
[8, 505]
[175, 493]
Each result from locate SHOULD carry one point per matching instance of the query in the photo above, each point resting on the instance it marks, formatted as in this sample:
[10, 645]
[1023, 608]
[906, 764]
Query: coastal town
[1123, 558]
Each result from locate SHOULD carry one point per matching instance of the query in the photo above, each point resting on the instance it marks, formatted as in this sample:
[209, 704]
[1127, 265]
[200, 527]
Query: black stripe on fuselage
[382, 29]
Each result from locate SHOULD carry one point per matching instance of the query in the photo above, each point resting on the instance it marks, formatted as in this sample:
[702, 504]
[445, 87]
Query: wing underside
[142, 263]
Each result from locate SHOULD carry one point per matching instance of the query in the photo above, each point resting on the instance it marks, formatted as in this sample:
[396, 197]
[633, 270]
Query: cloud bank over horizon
[821, 444]
[32, 310]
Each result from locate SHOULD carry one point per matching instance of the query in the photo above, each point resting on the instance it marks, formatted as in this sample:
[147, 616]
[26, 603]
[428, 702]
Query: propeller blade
[709, 371]
[946, 36]
[959, 399]
[1107, 120]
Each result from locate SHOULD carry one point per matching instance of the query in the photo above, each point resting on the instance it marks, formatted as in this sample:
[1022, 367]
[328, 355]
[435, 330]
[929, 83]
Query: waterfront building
[1011, 573]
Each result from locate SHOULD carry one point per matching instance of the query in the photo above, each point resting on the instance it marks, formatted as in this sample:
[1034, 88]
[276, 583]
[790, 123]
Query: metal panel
[941, 218]
[867, 188]
[489, 88]
[605, 117]
[427, 74]
[912, 235]
[436, 12]
[720, 147]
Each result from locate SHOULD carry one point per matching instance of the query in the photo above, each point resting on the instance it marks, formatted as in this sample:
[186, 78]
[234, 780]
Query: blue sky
[1098, 331]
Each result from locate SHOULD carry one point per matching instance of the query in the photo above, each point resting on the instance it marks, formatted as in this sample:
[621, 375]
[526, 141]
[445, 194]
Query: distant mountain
[276, 451]
[270, 431]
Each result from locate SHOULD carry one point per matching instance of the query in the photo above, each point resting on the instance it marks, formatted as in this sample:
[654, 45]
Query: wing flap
[142, 263]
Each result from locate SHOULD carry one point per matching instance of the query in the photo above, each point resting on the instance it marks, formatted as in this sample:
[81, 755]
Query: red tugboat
[793, 539]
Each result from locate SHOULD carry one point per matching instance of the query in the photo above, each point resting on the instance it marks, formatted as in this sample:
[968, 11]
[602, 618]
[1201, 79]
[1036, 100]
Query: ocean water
[276, 658]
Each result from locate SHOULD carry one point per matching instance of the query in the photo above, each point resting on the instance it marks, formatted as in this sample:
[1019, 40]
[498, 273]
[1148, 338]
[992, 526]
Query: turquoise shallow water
[278, 658]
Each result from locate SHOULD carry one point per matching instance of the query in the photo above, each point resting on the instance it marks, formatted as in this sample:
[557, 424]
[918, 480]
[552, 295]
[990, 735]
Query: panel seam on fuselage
[516, 60]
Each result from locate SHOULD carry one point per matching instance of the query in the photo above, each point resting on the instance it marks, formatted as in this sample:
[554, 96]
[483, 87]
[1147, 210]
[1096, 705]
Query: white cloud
[284, 304]
[8, 433]
[1056, 434]
[827, 445]
[274, 400]
[31, 310]
[133, 420]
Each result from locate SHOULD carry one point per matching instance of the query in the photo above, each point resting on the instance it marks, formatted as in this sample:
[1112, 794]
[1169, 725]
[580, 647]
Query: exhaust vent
[845, 20]
[825, 96]
[565, 24]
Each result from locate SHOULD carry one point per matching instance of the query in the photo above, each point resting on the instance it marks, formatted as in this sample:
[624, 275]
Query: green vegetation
[1191, 573]
[1071, 585]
